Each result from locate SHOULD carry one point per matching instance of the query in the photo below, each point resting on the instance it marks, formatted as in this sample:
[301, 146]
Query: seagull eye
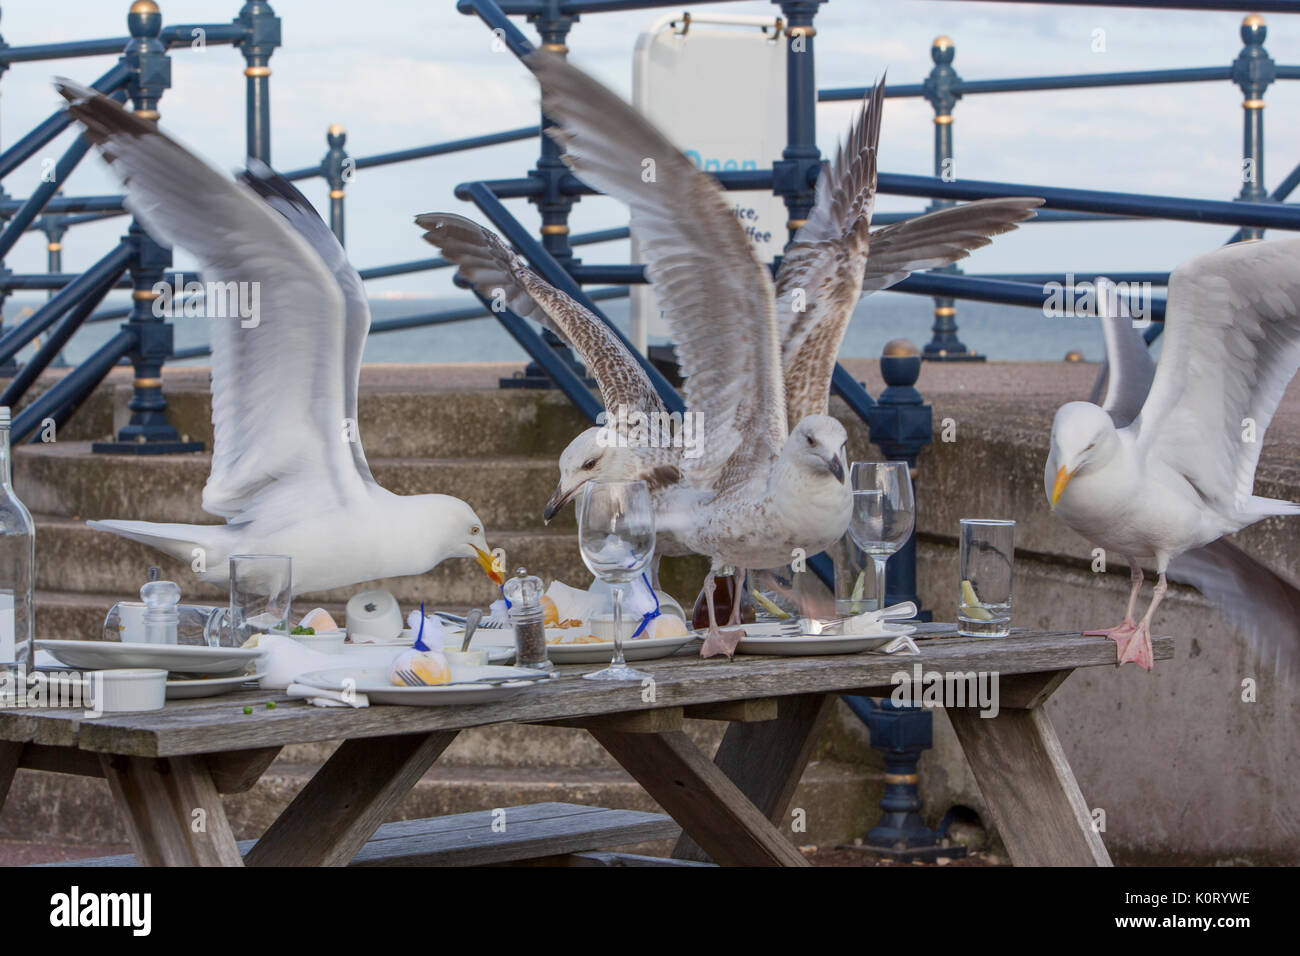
[811, 441]
[589, 464]
[475, 531]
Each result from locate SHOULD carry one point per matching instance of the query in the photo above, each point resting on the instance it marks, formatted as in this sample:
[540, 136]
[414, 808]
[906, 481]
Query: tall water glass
[884, 512]
[616, 535]
[988, 560]
[261, 595]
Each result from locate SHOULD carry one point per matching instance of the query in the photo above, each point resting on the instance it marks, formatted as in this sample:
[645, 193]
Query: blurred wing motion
[1232, 344]
[494, 270]
[716, 296]
[267, 438]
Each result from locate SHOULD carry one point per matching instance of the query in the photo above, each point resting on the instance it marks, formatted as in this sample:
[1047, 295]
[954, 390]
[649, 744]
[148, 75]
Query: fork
[412, 679]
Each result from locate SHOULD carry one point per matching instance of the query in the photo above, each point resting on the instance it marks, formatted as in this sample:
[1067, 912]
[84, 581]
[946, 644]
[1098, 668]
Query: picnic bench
[165, 767]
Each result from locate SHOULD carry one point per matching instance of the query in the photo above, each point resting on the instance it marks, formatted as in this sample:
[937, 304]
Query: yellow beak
[489, 565]
[1062, 479]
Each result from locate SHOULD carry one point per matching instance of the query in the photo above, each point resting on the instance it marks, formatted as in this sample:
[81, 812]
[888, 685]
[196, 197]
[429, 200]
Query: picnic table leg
[701, 797]
[766, 759]
[349, 797]
[172, 811]
[1027, 783]
[10, 754]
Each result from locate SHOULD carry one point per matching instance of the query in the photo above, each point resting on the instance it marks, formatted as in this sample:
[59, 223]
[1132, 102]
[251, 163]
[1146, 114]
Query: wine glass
[884, 512]
[616, 534]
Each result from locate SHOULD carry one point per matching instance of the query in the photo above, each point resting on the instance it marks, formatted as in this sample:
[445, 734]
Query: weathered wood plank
[172, 811]
[658, 721]
[236, 771]
[1031, 793]
[332, 817]
[219, 724]
[700, 797]
[10, 755]
[766, 760]
[744, 711]
[505, 838]
[61, 760]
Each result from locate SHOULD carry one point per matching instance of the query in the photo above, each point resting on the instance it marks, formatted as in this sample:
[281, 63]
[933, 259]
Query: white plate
[101, 655]
[496, 653]
[207, 686]
[768, 639]
[374, 683]
[639, 649]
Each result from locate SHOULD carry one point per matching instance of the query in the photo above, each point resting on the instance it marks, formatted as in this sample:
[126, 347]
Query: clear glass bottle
[17, 563]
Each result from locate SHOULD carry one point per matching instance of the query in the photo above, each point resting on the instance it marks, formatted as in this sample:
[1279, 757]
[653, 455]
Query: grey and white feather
[288, 472]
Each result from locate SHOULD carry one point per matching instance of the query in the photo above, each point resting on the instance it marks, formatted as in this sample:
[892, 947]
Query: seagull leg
[718, 641]
[1138, 647]
[1122, 632]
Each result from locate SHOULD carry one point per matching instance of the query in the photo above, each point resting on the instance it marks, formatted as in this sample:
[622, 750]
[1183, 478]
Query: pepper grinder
[161, 617]
[523, 592]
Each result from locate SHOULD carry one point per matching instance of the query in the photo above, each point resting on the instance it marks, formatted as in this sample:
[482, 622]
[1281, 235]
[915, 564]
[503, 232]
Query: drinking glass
[261, 595]
[988, 555]
[884, 513]
[616, 535]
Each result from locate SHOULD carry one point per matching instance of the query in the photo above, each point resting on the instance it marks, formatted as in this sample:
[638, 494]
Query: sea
[999, 332]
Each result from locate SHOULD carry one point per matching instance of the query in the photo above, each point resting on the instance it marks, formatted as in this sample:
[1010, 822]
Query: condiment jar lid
[523, 588]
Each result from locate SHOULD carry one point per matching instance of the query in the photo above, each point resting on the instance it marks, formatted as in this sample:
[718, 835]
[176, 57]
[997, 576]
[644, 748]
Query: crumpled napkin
[327, 698]
[899, 645]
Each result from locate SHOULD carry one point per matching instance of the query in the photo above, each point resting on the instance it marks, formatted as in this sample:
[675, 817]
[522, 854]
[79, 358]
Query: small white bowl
[129, 689]
[474, 657]
[602, 626]
[327, 642]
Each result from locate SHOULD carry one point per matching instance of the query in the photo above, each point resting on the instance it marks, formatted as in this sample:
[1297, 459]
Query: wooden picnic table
[165, 766]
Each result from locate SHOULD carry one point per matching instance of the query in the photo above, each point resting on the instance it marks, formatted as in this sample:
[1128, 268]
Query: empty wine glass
[884, 512]
[616, 534]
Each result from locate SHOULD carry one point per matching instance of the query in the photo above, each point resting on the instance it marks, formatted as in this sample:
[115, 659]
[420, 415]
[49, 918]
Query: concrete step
[73, 557]
[66, 479]
[840, 800]
[402, 421]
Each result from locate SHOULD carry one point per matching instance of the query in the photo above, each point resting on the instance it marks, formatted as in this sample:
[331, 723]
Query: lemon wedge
[971, 605]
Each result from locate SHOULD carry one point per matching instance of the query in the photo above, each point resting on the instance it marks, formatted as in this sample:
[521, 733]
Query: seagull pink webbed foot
[1133, 640]
[718, 642]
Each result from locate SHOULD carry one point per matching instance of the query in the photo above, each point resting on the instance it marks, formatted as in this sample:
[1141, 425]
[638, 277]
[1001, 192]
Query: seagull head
[817, 445]
[460, 532]
[593, 454]
[1082, 435]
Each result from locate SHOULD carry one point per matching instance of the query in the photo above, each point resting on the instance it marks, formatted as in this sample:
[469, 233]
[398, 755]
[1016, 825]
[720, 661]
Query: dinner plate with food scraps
[469, 685]
[188, 659]
[578, 646]
[771, 638]
[186, 687]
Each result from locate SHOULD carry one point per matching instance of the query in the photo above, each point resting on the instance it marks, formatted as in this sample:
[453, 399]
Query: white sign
[715, 86]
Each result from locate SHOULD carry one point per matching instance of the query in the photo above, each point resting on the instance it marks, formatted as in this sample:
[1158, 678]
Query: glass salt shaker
[524, 593]
[161, 617]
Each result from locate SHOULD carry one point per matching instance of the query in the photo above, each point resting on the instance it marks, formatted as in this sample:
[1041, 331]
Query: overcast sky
[403, 73]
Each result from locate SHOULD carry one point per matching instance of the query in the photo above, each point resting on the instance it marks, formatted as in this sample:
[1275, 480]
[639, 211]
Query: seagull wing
[716, 296]
[935, 239]
[820, 279]
[277, 384]
[495, 270]
[1232, 344]
[284, 198]
[833, 259]
[1254, 599]
[1127, 369]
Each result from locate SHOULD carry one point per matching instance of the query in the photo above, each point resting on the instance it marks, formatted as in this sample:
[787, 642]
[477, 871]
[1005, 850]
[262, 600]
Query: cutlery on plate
[895, 612]
[471, 625]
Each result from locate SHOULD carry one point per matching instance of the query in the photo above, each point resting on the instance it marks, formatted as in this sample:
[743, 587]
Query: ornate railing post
[1253, 71]
[554, 206]
[794, 175]
[10, 368]
[147, 432]
[336, 173]
[901, 426]
[943, 90]
[262, 28]
[55, 226]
